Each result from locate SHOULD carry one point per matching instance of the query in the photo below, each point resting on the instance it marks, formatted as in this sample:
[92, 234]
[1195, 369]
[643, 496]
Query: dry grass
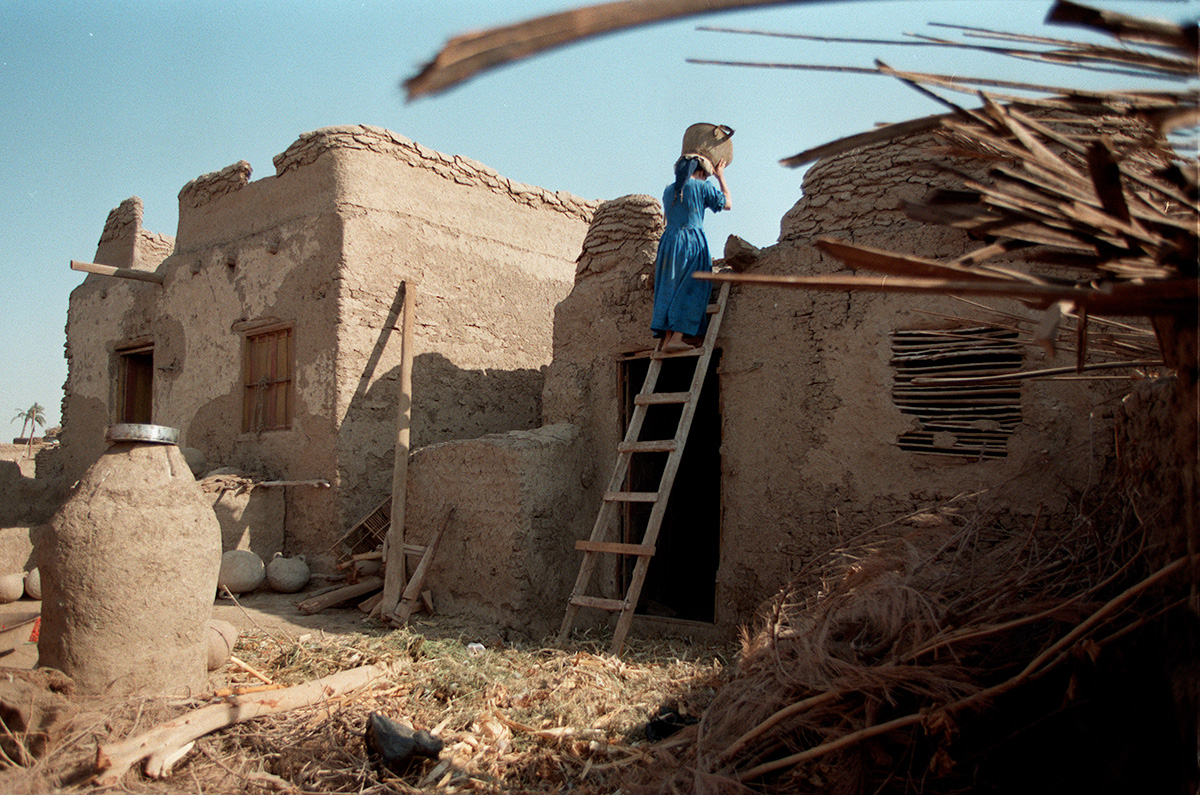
[513, 719]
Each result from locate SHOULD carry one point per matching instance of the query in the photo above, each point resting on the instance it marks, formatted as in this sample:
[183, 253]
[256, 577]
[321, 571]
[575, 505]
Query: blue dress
[681, 302]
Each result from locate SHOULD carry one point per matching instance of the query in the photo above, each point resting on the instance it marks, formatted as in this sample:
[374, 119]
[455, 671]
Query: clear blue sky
[107, 100]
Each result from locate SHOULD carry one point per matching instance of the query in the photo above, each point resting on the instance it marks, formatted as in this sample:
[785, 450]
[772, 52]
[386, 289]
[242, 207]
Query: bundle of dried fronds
[1089, 186]
[892, 664]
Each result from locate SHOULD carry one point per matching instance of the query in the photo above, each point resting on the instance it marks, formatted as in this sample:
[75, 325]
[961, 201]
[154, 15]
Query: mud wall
[809, 428]
[321, 247]
[488, 259]
[500, 560]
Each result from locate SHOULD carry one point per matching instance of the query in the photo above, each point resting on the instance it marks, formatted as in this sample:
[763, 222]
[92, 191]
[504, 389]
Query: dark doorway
[135, 385]
[681, 580]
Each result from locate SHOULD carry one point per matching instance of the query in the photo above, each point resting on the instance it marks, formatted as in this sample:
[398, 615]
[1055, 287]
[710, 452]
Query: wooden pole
[124, 273]
[395, 577]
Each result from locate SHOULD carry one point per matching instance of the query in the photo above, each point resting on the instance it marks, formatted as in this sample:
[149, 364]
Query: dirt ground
[263, 611]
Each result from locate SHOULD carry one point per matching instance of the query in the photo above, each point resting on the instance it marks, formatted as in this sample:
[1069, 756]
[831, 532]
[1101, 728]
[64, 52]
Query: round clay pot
[287, 575]
[241, 571]
[12, 587]
[222, 637]
[33, 583]
[129, 570]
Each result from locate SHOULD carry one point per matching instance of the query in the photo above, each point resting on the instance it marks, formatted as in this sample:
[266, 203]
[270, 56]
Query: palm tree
[30, 418]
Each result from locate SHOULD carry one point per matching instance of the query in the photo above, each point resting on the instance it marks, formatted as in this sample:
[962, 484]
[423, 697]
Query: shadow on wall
[452, 403]
[448, 402]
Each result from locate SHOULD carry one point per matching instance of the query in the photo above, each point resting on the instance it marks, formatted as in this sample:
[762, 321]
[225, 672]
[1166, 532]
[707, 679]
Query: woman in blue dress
[681, 302]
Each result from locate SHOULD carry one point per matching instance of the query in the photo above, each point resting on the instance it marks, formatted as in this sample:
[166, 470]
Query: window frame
[268, 390]
[126, 403]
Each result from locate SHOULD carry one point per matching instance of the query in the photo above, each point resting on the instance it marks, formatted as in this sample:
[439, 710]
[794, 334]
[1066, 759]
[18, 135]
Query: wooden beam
[124, 273]
[395, 576]
[318, 603]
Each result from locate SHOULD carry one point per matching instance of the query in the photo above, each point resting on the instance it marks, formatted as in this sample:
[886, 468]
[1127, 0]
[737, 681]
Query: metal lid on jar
[140, 432]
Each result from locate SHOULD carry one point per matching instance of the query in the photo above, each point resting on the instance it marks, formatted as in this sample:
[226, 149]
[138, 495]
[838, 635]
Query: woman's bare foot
[674, 343]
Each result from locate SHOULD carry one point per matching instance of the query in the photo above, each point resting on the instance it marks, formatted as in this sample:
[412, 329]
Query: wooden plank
[319, 603]
[878, 259]
[123, 273]
[394, 572]
[412, 593]
[368, 605]
[652, 446]
[657, 354]
[598, 603]
[630, 496]
[615, 548]
[661, 398]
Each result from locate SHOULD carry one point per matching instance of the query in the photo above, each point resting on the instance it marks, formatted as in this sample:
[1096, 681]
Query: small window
[961, 419]
[267, 381]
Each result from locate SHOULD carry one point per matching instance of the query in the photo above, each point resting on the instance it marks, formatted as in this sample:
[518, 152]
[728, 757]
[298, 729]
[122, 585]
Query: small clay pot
[287, 575]
[222, 637]
[241, 571]
[33, 583]
[12, 587]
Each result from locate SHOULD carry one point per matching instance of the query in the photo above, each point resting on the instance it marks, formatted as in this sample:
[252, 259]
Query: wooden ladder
[616, 495]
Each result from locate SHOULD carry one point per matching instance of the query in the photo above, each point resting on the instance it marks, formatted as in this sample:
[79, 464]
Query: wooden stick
[395, 576]
[250, 670]
[160, 744]
[368, 605]
[226, 692]
[319, 483]
[124, 273]
[319, 603]
[413, 592]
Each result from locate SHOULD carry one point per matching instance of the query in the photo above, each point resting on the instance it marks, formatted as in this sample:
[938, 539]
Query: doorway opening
[135, 384]
[681, 582]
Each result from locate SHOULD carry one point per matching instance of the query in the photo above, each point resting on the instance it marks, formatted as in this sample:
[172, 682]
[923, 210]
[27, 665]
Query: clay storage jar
[129, 572]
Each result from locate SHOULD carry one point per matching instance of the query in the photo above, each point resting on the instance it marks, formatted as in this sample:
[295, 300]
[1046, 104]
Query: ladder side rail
[658, 512]
[666, 484]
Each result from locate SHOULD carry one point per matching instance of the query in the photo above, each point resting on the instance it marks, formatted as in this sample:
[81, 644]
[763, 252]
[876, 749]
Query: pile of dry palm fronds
[903, 664]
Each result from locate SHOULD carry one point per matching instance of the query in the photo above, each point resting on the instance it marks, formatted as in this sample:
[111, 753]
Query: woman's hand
[719, 173]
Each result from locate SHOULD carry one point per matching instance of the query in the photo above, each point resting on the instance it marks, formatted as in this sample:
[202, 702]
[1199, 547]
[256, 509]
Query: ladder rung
[689, 353]
[615, 547]
[712, 308]
[654, 446]
[655, 398]
[612, 605]
[631, 496]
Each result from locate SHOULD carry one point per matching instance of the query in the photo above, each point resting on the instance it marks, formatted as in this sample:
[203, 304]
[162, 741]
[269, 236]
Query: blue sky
[107, 100]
